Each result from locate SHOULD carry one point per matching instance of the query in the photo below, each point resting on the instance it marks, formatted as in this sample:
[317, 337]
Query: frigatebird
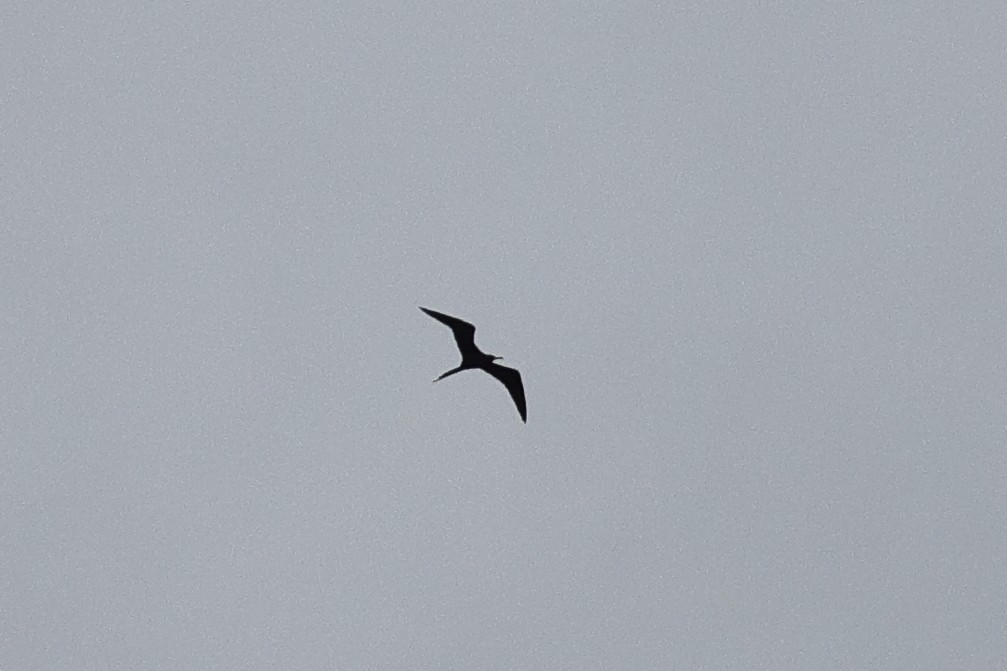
[473, 357]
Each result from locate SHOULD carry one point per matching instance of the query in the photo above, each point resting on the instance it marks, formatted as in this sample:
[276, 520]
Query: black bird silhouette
[473, 357]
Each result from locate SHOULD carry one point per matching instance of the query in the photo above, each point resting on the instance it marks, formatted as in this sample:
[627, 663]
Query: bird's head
[495, 358]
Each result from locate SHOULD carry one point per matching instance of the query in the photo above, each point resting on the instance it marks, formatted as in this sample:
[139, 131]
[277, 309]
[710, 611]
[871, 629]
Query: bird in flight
[473, 357]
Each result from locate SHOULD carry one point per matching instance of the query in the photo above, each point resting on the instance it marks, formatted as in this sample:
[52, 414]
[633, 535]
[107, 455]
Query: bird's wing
[465, 333]
[512, 380]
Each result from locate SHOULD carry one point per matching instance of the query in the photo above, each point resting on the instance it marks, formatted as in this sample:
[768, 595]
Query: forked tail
[450, 372]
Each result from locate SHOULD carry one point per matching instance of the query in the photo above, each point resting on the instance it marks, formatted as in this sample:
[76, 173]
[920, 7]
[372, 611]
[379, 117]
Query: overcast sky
[750, 259]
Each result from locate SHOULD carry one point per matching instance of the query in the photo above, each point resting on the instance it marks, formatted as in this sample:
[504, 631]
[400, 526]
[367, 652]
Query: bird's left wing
[512, 380]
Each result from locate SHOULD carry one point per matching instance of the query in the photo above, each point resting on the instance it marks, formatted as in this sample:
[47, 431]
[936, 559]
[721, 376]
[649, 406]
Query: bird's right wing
[512, 380]
[465, 333]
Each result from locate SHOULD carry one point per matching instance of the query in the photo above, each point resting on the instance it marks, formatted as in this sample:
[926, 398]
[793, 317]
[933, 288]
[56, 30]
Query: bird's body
[475, 358]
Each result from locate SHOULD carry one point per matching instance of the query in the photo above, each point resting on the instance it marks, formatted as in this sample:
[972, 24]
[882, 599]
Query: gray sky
[750, 259]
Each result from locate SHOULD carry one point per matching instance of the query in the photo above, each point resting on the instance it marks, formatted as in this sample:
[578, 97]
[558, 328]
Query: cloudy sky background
[751, 260]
